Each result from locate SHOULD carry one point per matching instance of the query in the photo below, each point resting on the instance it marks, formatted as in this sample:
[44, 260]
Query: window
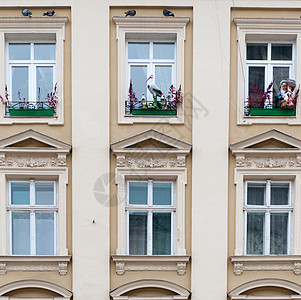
[151, 58]
[32, 70]
[150, 214]
[32, 213]
[267, 211]
[266, 63]
[149, 46]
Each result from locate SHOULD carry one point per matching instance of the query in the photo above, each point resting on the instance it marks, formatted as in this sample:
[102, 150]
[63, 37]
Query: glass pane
[19, 82]
[138, 77]
[256, 78]
[163, 77]
[44, 81]
[255, 233]
[282, 51]
[44, 51]
[138, 233]
[256, 193]
[19, 51]
[278, 237]
[161, 233]
[20, 193]
[20, 233]
[44, 193]
[280, 73]
[138, 192]
[138, 50]
[279, 193]
[162, 193]
[164, 50]
[45, 233]
[257, 51]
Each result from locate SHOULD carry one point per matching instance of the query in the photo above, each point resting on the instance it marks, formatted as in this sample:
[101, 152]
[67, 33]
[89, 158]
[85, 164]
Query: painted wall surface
[62, 132]
[276, 9]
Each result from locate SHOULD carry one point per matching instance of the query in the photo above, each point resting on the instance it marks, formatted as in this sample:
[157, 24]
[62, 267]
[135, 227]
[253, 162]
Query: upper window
[32, 71]
[32, 218]
[267, 210]
[150, 213]
[150, 53]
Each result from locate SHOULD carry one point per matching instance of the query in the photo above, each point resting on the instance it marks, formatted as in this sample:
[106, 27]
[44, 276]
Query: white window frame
[267, 209]
[149, 208]
[32, 208]
[42, 29]
[32, 65]
[151, 64]
[279, 30]
[269, 64]
[159, 28]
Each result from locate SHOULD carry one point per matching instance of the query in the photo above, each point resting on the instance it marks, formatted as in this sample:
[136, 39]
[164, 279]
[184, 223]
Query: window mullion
[150, 219]
[267, 233]
[32, 233]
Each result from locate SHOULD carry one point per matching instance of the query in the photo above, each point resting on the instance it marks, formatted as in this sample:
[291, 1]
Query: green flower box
[156, 112]
[26, 112]
[272, 112]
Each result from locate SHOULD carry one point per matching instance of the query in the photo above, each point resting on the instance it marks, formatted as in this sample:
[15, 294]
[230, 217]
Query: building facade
[149, 154]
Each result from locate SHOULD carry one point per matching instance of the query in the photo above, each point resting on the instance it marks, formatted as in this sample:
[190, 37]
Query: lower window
[267, 210]
[150, 216]
[32, 210]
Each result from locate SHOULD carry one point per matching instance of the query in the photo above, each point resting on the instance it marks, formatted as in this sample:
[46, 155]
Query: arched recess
[293, 289]
[179, 292]
[64, 293]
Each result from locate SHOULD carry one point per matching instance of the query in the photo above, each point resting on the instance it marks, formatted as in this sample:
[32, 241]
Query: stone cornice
[34, 263]
[150, 263]
[266, 263]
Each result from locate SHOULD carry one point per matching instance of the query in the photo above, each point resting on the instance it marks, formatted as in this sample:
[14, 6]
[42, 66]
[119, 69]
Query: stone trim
[34, 264]
[150, 263]
[266, 263]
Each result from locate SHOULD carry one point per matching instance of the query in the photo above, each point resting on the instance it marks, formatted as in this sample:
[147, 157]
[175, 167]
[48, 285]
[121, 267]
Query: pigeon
[26, 12]
[49, 13]
[168, 13]
[130, 13]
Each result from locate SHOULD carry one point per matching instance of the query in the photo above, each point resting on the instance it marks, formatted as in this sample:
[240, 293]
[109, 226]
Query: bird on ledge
[49, 13]
[26, 12]
[168, 13]
[130, 13]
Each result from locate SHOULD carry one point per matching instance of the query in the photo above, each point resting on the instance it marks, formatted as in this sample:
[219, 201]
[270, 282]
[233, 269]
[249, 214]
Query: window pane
[44, 51]
[138, 233]
[280, 73]
[163, 77]
[20, 233]
[19, 82]
[138, 77]
[44, 193]
[138, 192]
[279, 193]
[256, 194]
[44, 81]
[19, 51]
[138, 50]
[161, 233]
[45, 233]
[255, 233]
[164, 50]
[282, 51]
[257, 51]
[161, 193]
[256, 78]
[278, 237]
[20, 193]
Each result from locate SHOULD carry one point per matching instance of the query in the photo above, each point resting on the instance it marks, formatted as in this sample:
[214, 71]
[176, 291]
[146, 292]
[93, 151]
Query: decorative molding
[34, 264]
[266, 263]
[150, 263]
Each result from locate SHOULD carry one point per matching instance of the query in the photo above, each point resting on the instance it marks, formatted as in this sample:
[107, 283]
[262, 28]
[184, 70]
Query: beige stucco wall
[62, 132]
[182, 132]
[240, 132]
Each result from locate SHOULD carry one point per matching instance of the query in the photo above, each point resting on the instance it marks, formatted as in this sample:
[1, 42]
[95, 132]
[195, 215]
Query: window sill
[151, 263]
[34, 263]
[267, 263]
